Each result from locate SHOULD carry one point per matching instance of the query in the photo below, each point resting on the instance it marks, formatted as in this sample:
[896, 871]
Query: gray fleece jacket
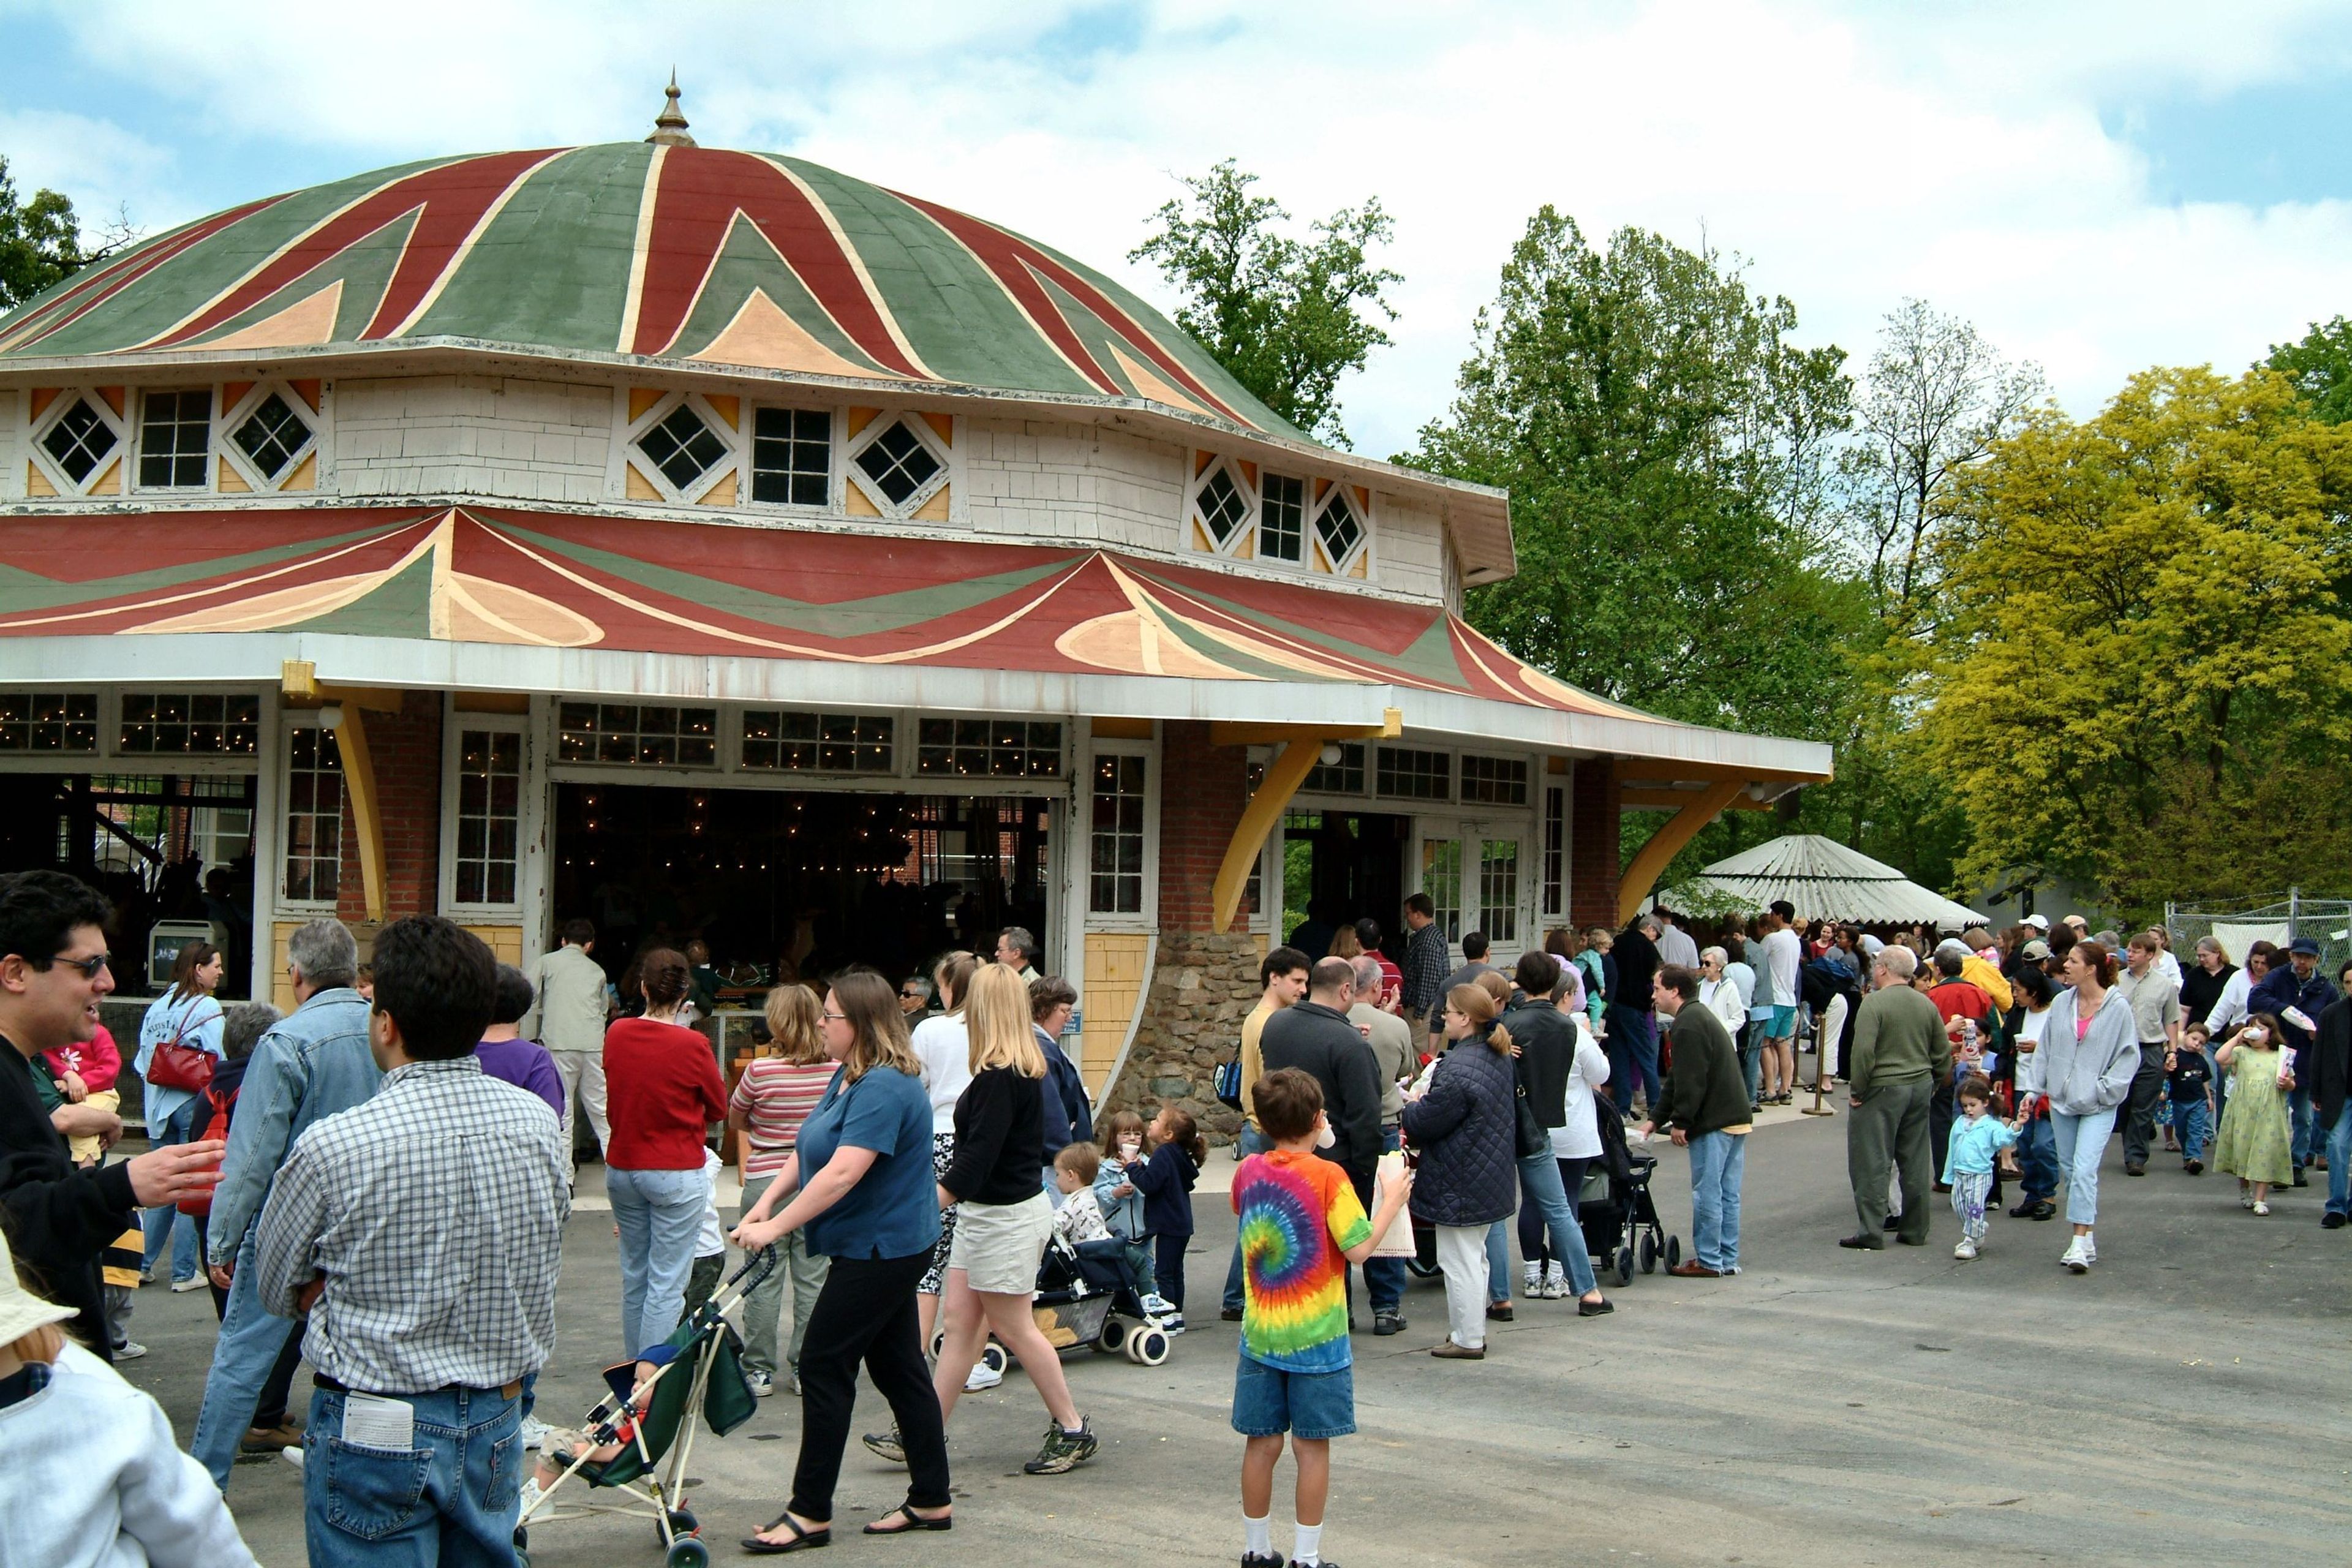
[2088, 1075]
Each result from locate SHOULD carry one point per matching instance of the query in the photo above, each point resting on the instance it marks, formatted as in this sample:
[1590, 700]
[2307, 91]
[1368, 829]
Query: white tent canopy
[1825, 880]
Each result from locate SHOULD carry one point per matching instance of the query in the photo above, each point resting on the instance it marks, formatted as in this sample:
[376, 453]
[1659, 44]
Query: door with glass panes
[1479, 876]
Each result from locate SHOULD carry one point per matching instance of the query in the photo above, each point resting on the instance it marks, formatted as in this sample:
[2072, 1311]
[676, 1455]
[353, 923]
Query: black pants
[866, 1313]
[2146, 1091]
[1168, 1267]
[1943, 1109]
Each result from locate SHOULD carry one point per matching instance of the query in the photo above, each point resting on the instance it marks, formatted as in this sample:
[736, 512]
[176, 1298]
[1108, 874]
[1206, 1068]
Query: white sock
[1306, 1552]
[1257, 1535]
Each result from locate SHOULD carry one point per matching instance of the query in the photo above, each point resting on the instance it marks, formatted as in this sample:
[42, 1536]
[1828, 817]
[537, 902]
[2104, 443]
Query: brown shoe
[1449, 1350]
[1692, 1268]
[287, 1434]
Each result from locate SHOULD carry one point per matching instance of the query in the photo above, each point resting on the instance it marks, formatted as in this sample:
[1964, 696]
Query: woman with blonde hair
[772, 1099]
[1464, 1126]
[1001, 1220]
[859, 1180]
[943, 1046]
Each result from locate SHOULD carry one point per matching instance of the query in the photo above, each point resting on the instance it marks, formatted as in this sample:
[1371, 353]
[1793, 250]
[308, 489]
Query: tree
[1667, 450]
[1287, 317]
[40, 242]
[2320, 366]
[2141, 673]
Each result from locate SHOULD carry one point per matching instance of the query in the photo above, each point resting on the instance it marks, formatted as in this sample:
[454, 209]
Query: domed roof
[666, 252]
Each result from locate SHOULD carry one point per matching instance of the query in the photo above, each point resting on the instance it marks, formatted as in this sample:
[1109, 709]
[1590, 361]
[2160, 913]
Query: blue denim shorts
[1268, 1402]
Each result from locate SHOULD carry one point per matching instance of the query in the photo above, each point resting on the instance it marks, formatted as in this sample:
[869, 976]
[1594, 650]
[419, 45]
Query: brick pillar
[1204, 982]
[1595, 868]
[406, 750]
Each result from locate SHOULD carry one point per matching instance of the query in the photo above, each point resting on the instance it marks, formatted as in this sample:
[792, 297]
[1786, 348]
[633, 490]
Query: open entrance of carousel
[800, 883]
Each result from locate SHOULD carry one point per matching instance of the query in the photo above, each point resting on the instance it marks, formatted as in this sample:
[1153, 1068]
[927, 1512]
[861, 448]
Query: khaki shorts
[999, 1246]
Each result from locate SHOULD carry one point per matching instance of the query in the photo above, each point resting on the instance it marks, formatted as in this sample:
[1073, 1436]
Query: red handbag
[177, 1066]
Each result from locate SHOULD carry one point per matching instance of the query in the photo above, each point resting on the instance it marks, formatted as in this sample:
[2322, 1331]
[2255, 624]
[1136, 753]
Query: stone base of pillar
[1202, 988]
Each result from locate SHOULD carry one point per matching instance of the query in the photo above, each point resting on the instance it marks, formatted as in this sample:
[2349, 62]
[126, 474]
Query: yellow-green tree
[2140, 673]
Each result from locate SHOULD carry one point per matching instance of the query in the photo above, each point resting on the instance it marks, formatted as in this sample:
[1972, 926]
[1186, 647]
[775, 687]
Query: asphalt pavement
[2186, 1401]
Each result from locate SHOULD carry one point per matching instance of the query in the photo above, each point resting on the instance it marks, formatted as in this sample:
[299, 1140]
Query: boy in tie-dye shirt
[1301, 1225]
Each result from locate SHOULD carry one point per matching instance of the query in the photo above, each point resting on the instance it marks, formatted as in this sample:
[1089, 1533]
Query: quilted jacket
[1463, 1128]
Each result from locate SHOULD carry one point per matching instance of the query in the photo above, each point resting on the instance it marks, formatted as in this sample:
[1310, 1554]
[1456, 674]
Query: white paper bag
[1397, 1241]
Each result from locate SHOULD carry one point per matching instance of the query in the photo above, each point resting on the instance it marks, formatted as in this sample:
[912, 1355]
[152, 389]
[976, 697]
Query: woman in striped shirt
[770, 1100]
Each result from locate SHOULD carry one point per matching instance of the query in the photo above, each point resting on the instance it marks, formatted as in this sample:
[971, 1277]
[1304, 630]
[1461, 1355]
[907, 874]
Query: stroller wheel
[993, 1357]
[1624, 1266]
[689, 1554]
[1113, 1338]
[1147, 1346]
[1649, 1253]
[682, 1522]
[1674, 1251]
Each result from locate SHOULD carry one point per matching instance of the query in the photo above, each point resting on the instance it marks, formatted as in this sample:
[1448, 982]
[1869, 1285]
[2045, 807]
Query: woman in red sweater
[662, 1080]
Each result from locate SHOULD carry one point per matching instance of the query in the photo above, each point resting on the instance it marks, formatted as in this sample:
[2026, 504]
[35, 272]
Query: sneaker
[1063, 1450]
[1262, 1560]
[2090, 1248]
[2333, 1220]
[1532, 1286]
[193, 1282]
[885, 1446]
[2074, 1258]
[983, 1376]
[146, 1277]
[1172, 1324]
[1386, 1323]
[292, 1456]
[527, 1499]
[130, 1350]
[2245, 1198]
[1966, 1251]
[1157, 1306]
[762, 1383]
[1555, 1284]
[534, 1431]
[2300, 1180]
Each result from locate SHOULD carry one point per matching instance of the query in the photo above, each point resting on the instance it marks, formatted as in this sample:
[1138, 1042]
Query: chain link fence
[2327, 922]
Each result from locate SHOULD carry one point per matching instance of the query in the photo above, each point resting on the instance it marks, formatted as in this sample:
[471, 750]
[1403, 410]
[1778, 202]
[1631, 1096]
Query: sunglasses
[88, 966]
[912, 996]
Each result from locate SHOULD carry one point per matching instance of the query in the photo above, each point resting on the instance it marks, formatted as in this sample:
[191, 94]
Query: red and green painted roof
[480, 574]
[667, 253]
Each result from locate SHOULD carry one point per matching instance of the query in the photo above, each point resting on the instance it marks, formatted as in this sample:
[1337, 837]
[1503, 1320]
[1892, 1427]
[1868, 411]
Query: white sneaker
[983, 1376]
[1157, 1306]
[2074, 1258]
[762, 1383]
[529, 1498]
[1555, 1284]
[292, 1456]
[1533, 1287]
[534, 1431]
[130, 1350]
[1967, 1250]
[1172, 1324]
[2090, 1248]
[193, 1282]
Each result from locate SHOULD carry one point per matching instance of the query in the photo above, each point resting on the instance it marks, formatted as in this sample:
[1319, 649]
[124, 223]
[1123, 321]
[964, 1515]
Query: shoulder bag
[175, 1065]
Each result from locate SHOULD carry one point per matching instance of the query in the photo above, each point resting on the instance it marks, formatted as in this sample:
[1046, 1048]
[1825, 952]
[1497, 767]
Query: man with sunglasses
[53, 975]
[914, 998]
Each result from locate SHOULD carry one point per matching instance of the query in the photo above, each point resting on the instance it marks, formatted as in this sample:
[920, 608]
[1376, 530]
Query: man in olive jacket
[1899, 1046]
[1704, 1103]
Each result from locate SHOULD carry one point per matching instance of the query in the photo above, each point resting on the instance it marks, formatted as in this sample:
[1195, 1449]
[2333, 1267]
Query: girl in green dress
[2254, 1141]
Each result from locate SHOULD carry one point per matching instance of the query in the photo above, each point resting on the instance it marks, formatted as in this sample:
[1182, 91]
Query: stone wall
[1201, 989]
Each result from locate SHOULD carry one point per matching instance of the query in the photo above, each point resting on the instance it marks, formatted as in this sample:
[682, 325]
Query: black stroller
[1618, 1219]
[1083, 1300]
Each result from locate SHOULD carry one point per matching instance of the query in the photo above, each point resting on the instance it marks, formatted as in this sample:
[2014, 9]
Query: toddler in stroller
[1089, 1279]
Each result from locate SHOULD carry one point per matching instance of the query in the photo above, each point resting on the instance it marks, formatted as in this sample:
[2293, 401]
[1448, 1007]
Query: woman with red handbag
[179, 1045]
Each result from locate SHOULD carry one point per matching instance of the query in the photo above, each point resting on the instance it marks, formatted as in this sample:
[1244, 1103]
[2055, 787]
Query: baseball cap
[2305, 944]
[2078, 922]
[2036, 949]
[1951, 944]
[2039, 922]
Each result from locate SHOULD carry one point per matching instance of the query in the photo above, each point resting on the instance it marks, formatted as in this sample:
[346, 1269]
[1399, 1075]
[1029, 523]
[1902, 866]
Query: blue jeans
[1499, 1261]
[250, 1341]
[2082, 1139]
[1548, 1212]
[165, 1222]
[2304, 1122]
[2194, 1123]
[660, 1216]
[2339, 1162]
[1718, 1161]
[449, 1499]
[2037, 1157]
[1253, 1141]
[1384, 1277]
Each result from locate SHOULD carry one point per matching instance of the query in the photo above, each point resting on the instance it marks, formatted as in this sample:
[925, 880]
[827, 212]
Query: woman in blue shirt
[860, 1184]
[188, 1015]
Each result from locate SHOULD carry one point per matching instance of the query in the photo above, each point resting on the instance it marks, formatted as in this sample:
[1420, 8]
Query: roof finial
[669, 125]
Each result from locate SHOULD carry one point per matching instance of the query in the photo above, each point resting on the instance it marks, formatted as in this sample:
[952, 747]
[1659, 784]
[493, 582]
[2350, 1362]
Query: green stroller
[699, 1368]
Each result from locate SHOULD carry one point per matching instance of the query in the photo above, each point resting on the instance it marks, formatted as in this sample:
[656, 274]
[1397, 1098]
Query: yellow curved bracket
[367, 819]
[1284, 774]
[1652, 860]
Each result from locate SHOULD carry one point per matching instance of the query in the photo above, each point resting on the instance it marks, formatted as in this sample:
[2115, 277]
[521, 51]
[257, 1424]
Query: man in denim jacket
[314, 1063]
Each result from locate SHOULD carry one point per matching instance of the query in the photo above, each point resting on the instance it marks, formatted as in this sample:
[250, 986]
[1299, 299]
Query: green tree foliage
[2320, 366]
[2141, 677]
[40, 242]
[1287, 317]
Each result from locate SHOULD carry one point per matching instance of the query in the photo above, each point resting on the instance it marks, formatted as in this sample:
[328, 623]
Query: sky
[2098, 187]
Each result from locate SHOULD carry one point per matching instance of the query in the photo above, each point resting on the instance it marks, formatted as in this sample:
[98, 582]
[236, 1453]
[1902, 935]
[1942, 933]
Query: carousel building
[707, 541]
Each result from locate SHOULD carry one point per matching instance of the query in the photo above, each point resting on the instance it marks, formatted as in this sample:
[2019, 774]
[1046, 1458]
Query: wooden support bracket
[1652, 860]
[1283, 776]
[300, 682]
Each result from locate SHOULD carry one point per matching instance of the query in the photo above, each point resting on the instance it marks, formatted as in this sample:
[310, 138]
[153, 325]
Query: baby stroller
[698, 1367]
[1615, 1211]
[1084, 1298]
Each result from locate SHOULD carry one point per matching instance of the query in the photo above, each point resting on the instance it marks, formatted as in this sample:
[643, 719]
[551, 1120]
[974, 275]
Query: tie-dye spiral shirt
[1298, 1214]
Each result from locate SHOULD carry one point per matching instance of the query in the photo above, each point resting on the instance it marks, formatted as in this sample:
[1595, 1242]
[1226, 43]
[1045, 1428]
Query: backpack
[200, 1205]
[1228, 1083]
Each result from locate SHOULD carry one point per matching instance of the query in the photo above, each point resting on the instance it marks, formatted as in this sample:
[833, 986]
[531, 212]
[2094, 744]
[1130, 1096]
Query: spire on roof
[669, 125]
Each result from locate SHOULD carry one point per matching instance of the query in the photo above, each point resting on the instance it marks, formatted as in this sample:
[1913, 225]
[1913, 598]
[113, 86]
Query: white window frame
[920, 428]
[528, 818]
[737, 442]
[288, 721]
[59, 406]
[1080, 857]
[836, 465]
[224, 427]
[1358, 507]
[1306, 483]
[135, 411]
[1566, 784]
[1244, 531]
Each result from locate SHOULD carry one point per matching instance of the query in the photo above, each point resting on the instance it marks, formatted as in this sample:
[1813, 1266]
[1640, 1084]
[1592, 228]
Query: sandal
[914, 1521]
[2262, 1208]
[802, 1540]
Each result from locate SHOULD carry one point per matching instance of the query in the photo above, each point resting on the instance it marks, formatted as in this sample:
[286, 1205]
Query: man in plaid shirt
[1426, 962]
[422, 1231]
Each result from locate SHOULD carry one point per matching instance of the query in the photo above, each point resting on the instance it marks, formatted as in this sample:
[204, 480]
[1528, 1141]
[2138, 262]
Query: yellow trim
[1225, 733]
[1122, 728]
[1667, 842]
[1283, 776]
[367, 817]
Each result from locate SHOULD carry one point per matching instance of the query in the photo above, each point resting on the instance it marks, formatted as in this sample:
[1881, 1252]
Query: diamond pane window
[1336, 529]
[988, 748]
[1222, 507]
[272, 437]
[49, 721]
[818, 743]
[176, 432]
[1415, 775]
[190, 724]
[1345, 776]
[898, 463]
[1115, 879]
[79, 441]
[791, 456]
[683, 446]
[652, 735]
[314, 814]
[1494, 781]
[1281, 528]
[489, 814]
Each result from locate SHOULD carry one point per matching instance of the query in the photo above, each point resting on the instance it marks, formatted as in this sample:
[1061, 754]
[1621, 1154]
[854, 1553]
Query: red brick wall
[406, 750]
[1203, 789]
[1593, 853]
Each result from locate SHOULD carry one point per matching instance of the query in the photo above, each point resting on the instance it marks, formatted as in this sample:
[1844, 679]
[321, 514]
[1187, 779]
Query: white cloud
[1856, 153]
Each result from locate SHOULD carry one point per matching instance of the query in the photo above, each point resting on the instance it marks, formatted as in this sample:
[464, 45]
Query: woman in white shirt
[1576, 1143]
[1747, 1034]
[944, 1047]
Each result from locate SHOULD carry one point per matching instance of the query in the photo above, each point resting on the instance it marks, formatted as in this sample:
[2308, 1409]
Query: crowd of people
[378, 1182]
